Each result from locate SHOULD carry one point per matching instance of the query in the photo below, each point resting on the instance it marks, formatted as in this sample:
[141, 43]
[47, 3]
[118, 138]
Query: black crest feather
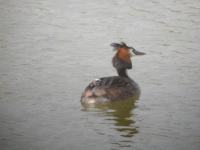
[116, 46]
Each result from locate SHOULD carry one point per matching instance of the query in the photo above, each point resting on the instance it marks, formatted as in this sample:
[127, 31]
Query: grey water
[51, 50]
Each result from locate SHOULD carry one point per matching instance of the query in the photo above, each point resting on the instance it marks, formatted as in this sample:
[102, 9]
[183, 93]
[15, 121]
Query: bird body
[114, 88]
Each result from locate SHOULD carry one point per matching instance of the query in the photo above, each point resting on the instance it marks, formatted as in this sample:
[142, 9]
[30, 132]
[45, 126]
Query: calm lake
[51, 50]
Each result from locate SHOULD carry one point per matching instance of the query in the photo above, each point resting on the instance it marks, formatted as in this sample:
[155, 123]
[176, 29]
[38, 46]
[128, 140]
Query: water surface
[51, 50]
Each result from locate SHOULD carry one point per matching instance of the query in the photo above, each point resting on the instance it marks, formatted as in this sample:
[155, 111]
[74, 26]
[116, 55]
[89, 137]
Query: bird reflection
[120, 113]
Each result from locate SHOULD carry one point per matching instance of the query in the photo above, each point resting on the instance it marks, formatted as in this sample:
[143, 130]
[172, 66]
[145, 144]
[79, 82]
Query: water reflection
[120, 112]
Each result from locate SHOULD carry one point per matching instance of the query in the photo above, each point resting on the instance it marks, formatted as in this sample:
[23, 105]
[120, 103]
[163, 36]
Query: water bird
[114, 88]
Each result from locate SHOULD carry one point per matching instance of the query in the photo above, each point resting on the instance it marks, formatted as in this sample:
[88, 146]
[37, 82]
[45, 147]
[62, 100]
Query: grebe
[110, 89]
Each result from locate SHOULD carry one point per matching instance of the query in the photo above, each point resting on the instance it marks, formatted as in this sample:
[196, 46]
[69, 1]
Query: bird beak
[137, 52]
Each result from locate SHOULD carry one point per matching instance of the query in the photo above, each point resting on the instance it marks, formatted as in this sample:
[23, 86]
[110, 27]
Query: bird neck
[122, 73]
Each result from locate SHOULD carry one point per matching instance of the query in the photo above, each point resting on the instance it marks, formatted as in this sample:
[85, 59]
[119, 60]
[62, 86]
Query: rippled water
[51, 50]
